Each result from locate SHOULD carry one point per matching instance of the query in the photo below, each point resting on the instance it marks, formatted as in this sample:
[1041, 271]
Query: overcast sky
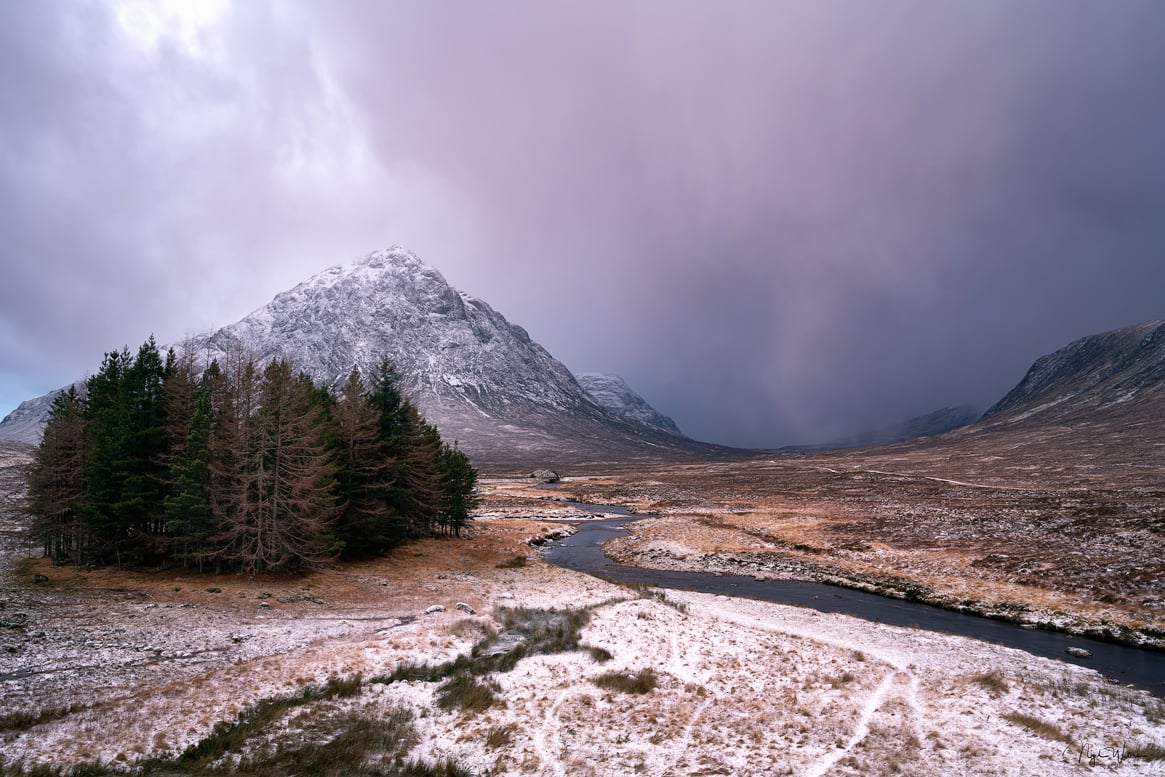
[779, 221]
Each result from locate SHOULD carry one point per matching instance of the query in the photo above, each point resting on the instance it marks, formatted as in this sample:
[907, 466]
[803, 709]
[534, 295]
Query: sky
[780, 222]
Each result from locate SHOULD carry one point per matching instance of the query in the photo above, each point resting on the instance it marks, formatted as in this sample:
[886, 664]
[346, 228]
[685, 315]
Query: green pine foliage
[237, 466]
[56, 479]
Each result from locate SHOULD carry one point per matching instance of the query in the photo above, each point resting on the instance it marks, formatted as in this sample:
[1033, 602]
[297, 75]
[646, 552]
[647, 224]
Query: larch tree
[56, 479]
[288, 518]
[190, 521]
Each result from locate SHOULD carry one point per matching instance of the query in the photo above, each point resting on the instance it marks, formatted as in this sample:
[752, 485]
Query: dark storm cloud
[778, 221]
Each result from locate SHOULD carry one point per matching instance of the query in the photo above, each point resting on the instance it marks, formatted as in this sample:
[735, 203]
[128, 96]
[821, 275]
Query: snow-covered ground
[137, 665]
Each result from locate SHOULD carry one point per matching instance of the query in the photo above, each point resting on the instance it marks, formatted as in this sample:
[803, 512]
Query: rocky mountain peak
[480, 379]
[613, 393]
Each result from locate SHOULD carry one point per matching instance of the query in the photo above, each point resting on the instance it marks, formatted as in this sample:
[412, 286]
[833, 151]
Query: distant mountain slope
[613, 393]
[928, 425]
[481, 380]
[26, 422]
[1088, 416]
[1095, 373]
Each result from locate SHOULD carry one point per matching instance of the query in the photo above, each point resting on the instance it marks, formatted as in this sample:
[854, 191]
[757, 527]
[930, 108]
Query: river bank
[113, 667]
[1088, 560]
[650, 547]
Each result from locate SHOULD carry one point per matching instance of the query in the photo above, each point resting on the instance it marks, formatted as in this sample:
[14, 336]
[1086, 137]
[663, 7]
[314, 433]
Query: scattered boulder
[505, 595]
[502, 644]
[544, 475]
[1079, 652]
[38, 578]
[436, 608]
[465, 608]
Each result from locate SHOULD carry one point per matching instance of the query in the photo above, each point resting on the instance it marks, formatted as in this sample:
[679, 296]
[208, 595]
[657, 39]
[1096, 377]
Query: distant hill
[1089, 415]
[928, 425]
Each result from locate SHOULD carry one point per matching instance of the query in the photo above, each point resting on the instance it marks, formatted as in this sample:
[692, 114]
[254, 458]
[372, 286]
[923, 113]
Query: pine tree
[56, 483]
[107, 456]
[141, 506]
[458, 482]
[262, 473]
[125, 473]
[368, 525]
[414, 490]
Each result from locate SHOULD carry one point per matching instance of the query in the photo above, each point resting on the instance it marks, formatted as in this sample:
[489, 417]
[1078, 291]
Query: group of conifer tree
[239, 466]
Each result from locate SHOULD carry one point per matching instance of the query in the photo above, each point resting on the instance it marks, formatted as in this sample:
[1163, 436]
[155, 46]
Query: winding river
[583, 552]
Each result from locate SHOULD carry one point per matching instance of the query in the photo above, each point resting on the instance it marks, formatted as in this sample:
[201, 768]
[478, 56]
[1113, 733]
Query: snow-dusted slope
[613, 393]
[1108, 370]
[26, 422]
[481, 380]
[447, 345]
[478, 377]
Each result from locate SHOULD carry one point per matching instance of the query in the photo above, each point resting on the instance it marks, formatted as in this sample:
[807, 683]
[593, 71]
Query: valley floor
[116, 667]
[1084, 555]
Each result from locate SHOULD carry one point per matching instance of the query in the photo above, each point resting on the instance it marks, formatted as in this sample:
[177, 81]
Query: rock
[465, 608]
[503, 643]
[544, 475]
[435, 609]
[1078, 652]
[505, 595]
[40, 578]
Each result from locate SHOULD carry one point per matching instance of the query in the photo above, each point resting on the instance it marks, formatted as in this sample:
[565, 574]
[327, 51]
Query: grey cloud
[779, 221]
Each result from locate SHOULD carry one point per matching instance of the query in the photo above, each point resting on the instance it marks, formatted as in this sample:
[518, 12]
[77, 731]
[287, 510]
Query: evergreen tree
[125, 474]
[414, 490]
[368, 525]
[141, 506]
[56, 484]
[107, 456]
[263, 473]
[458, 481]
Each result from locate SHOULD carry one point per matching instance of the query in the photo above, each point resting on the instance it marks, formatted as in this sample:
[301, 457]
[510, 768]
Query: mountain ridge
[1093, 372]
[610, 391]
[480, 379]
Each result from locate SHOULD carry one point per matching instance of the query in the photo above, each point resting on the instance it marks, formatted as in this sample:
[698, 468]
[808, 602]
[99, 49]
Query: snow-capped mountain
[613, 393]
[480, 379]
